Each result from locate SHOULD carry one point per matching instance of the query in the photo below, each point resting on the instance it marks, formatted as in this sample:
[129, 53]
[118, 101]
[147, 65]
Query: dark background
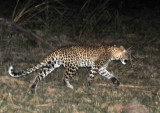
[123, 6]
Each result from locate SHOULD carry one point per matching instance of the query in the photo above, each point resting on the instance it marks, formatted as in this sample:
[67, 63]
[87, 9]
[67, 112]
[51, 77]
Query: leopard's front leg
[103, 72]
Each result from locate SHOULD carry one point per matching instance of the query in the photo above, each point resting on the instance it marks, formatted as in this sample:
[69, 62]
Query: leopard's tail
[12, 72]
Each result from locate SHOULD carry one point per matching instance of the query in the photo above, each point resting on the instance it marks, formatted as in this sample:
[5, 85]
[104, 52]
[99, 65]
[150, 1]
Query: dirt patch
[135, 107]
[10, 80]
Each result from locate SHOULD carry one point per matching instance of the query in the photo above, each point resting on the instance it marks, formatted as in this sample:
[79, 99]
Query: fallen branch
[5, 24]
[130, 86]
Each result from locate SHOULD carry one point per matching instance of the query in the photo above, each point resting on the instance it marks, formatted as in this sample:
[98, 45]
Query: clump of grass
[34, 11]
[55, 15]
[27, 12]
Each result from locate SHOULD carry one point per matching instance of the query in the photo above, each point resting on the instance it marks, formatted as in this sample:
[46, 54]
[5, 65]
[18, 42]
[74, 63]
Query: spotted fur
[73, 57]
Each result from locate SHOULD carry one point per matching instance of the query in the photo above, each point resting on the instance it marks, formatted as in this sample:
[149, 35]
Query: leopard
[72, 57]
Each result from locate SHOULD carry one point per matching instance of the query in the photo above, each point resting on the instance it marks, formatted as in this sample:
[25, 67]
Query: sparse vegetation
[60, 25]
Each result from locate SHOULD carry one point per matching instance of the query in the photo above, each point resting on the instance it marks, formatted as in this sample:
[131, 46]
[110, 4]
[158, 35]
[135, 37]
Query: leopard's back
[80, 55]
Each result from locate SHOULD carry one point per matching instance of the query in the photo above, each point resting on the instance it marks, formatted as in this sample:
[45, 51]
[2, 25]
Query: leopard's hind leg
[43, 73]
[70, 71]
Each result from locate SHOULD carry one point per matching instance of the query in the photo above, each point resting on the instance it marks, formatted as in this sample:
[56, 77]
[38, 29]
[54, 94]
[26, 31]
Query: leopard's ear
[122, 48]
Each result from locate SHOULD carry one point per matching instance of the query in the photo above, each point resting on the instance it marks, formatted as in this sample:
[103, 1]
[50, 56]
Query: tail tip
[10, 71]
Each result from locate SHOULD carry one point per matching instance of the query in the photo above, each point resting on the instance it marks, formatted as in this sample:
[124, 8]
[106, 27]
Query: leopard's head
[120, 53]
